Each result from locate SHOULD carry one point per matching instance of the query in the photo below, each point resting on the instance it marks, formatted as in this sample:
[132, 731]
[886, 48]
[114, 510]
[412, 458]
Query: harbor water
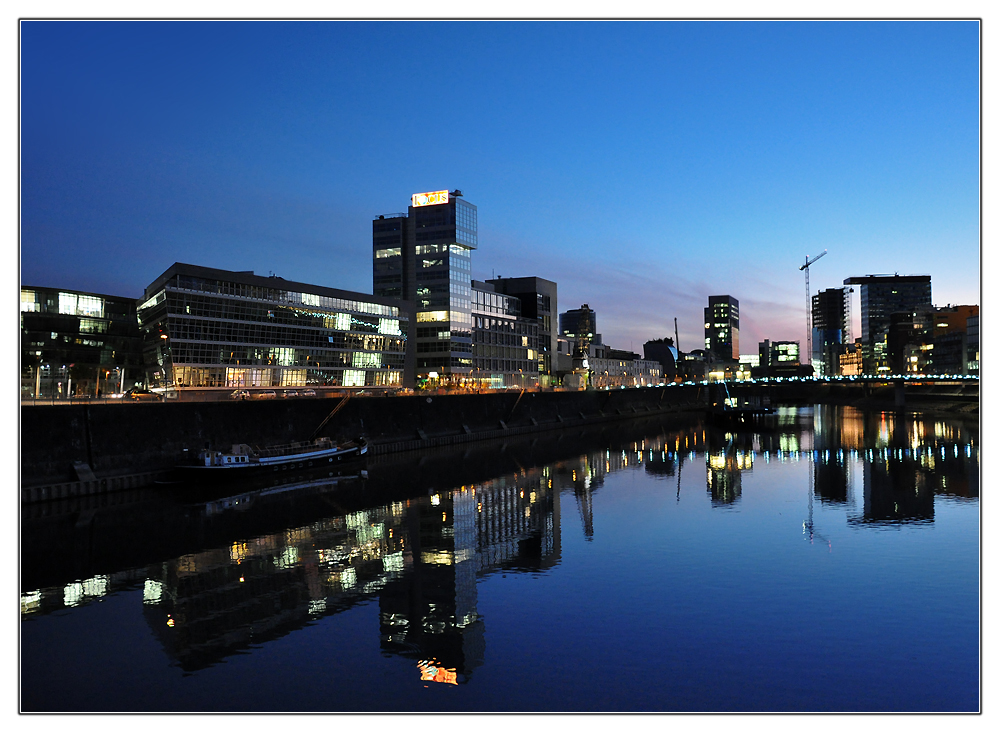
[824, 560]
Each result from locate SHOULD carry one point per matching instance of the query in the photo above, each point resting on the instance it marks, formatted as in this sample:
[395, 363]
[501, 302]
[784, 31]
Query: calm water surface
[828, 562]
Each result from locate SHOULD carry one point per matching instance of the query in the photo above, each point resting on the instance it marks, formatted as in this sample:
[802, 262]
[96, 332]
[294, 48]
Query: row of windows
[257, 292]
[195, 353]
[433, 332]
[454, 249]
[247, 312]
[238, 377]
[466, 237]
[446, 234]
[437, 362]
[384, 239]
[455, 316]
[70, 304]
[506, 325]
[504, 365]
[387, 225]
[503, 338]
[438, 346]
[466, 215]
[235, 333]
[503, 352]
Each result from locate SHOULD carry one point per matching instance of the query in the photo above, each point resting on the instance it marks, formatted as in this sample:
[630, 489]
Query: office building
[850, 360]
[612, 368]
[778, 359]
[881, 296]
[539, 301]
[579, 323]
[930, 340]
[722, 327]
[425, 256]
[208, 330]
[76, 344]
[972, 342]
[831, 324]
[504, 345]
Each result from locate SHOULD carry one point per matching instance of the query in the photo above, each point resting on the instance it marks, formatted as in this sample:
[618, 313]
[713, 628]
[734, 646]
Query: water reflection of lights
[431, 671]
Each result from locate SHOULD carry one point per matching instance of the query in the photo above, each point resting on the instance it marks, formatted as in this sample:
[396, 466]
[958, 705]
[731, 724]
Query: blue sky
[642, 166]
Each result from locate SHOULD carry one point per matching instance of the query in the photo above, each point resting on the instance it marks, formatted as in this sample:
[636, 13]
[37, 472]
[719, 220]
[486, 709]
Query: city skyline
[640, 166]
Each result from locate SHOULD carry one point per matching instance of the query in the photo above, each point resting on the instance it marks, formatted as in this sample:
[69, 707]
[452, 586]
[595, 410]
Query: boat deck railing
[291, 448]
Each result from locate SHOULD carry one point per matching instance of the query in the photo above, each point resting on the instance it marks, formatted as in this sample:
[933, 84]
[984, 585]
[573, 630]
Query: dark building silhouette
[663, 351]
[722, 327]
[881, 296]
[539, 301]
[831, 329]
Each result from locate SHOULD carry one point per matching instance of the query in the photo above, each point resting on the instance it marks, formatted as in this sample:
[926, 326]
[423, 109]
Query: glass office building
[505, 349]
[207, 329]
[831, 329]
[425, 256]
[76, 344]
[881, 296]
[539, 301]
[722, 327]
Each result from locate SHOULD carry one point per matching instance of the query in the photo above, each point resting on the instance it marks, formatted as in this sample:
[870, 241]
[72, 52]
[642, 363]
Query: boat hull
[306, 462]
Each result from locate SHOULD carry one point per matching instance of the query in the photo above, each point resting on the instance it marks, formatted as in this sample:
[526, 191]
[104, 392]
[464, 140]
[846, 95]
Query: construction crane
[809, 329]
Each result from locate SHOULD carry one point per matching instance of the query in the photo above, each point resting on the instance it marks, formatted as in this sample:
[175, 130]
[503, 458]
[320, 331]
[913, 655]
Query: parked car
[309, 393]
[240, 394]
[290, 393]
[143, 395]
[267, 394]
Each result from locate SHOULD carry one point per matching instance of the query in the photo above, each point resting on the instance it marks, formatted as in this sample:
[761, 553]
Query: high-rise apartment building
[881, 296]
[425, 255]
[722, 327]
[830, 329]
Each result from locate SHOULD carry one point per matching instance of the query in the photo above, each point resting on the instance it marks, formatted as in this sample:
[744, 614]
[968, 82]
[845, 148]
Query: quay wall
[127, 444]
[119, 439]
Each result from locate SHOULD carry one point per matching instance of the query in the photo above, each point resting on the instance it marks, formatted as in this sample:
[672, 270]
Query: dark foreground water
[828, 562]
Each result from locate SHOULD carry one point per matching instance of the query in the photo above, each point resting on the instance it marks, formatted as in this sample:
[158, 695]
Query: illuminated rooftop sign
[430, 198]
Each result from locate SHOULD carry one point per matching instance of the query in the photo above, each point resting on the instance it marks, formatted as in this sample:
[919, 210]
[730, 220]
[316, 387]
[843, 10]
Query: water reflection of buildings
[421, 558]
[906, 460]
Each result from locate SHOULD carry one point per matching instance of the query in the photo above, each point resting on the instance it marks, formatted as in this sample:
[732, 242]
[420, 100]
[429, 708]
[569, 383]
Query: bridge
[955, 392]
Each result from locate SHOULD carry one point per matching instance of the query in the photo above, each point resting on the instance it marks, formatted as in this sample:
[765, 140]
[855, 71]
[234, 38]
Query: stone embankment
[82, 449]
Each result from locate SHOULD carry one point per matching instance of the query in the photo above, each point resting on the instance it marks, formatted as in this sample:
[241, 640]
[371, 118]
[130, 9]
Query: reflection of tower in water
[420, 557]
[725, 463]
[429, 614]
[831, 467]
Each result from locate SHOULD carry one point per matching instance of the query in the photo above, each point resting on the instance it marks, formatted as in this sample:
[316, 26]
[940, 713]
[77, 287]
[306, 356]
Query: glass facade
[214, 329]
[505, 350]
[539, 301]
[77, 344]
[425, 256]
[830, 329]
[881, 296]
